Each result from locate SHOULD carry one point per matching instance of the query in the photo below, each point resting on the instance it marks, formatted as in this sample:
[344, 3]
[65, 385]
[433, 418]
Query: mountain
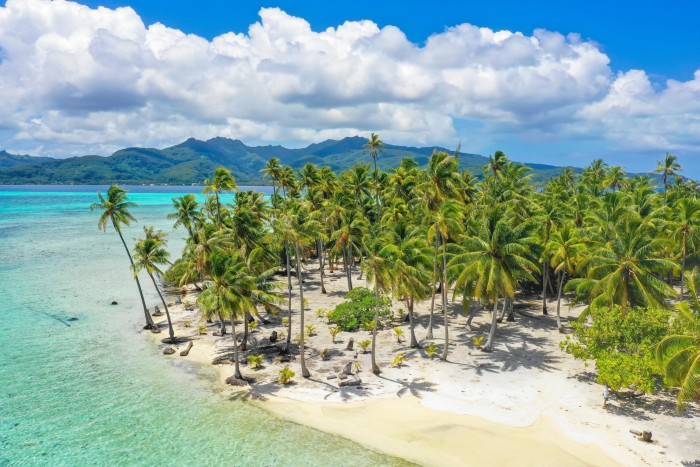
[13, 160]
[193, 160]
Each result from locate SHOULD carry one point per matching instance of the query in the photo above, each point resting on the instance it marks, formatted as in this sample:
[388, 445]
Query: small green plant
[297, 338]
[357, 367]
[478, 341]
[285, 320]
[286, 375]
[202, 329]
[187, 323]
[399, 333]
[310, 330]
[399, 359]
[334, 330]
[255, 361]
[368, 326]
[364, 345]
[281, 335]
[306, 302]
[431, 350]
[324, 354]
[253, 325]
[320, 312]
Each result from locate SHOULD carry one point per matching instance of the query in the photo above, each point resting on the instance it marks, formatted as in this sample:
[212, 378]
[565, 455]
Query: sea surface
[80, 384]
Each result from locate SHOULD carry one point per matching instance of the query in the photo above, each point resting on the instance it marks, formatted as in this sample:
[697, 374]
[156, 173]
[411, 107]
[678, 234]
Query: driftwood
[222, 360]
[186, 352]
[350, 382]
[642, 435]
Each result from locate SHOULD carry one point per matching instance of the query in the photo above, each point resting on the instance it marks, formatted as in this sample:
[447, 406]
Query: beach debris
[350, 382]
[273, 336]
[72, 318]
[185, 352]
[342, 376]
[156, 311]
[233, 381]
[332, 377]
[351, 344]
[642, 435]
[168, 351]
[347, 369]
[222, 360]
[114, 302]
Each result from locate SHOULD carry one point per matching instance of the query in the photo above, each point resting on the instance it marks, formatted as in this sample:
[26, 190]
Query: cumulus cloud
[76, 80]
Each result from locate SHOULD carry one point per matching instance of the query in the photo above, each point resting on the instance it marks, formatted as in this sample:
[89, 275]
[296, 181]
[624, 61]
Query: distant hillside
[193, 161]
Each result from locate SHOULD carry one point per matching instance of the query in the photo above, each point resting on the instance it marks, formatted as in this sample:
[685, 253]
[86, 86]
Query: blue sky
[550, 82]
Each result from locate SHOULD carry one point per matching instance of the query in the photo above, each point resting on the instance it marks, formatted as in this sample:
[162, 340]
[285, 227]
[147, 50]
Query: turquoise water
[96, 391]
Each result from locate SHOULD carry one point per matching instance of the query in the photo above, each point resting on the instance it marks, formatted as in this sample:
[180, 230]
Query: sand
[526, 403]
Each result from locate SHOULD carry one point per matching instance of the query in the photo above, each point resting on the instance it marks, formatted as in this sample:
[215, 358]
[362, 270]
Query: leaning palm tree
[149, 254]
[374, 146]
[186, 213]
[115, 209]
[678, 355]
[669, 167]
[223, 181]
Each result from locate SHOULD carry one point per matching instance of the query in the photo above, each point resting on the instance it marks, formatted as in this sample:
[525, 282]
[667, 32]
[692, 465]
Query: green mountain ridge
[192, 161]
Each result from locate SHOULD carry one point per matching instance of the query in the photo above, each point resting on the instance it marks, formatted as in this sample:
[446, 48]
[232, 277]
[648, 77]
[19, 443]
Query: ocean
[81, 384]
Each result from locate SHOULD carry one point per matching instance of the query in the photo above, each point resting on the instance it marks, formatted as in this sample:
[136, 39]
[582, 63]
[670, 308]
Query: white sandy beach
[527, 403]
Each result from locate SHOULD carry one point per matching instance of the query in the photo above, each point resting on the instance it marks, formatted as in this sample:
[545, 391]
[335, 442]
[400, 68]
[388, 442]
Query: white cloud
[76, 80]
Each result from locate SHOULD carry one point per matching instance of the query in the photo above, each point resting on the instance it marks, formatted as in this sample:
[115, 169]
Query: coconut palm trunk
[409, 305]
[149, 320]
[492, 332]
[222, 321]
[346, 263]
[304, 371]
[545, 276]
[237, 368]
[561, 284]
[171, 332]
[319, 247]
[432, 295]
[443, 357]
[244, 342]
[289, 298]
[472, 314]
[375, 367]
[685, 250]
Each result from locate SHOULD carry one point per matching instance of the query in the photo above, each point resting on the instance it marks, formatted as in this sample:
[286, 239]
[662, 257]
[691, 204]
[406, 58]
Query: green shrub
[286, 375]
[399, 359]
[364, 345]
[358, 311]
[431, 349]
[255, 361]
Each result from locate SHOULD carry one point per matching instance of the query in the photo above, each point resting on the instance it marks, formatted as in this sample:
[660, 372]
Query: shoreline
[527, 403]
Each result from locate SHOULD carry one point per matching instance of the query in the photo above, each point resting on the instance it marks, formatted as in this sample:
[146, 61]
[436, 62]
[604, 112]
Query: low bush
[358, 311]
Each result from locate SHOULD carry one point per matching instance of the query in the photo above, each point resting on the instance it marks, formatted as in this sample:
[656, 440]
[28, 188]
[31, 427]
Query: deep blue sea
[96, 390]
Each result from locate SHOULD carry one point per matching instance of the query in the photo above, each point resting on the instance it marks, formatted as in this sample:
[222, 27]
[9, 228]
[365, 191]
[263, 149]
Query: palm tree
[231, 291]
[411, 259]
[374, 145]
[685, 228]
[623, 270]
[678, 355]
[115, 208]
[377, 265]
[669, 167]
[487, 265]
[273, 169]
[149, 254]
[223, 181]
[565, 249]
[186, 213]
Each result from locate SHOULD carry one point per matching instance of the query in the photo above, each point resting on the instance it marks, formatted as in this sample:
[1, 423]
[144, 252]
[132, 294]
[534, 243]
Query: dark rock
[168, 351]
[273, 336]
[72, 318]
[114, 302]
[233, 381]
[342, 376]
[351, 343]
[350, 382]
[347, 369]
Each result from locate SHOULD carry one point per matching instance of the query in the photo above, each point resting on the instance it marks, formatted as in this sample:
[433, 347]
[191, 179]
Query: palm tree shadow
[416, 387]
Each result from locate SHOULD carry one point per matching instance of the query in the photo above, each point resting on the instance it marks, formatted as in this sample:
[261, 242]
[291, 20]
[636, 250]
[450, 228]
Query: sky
[560, 83]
